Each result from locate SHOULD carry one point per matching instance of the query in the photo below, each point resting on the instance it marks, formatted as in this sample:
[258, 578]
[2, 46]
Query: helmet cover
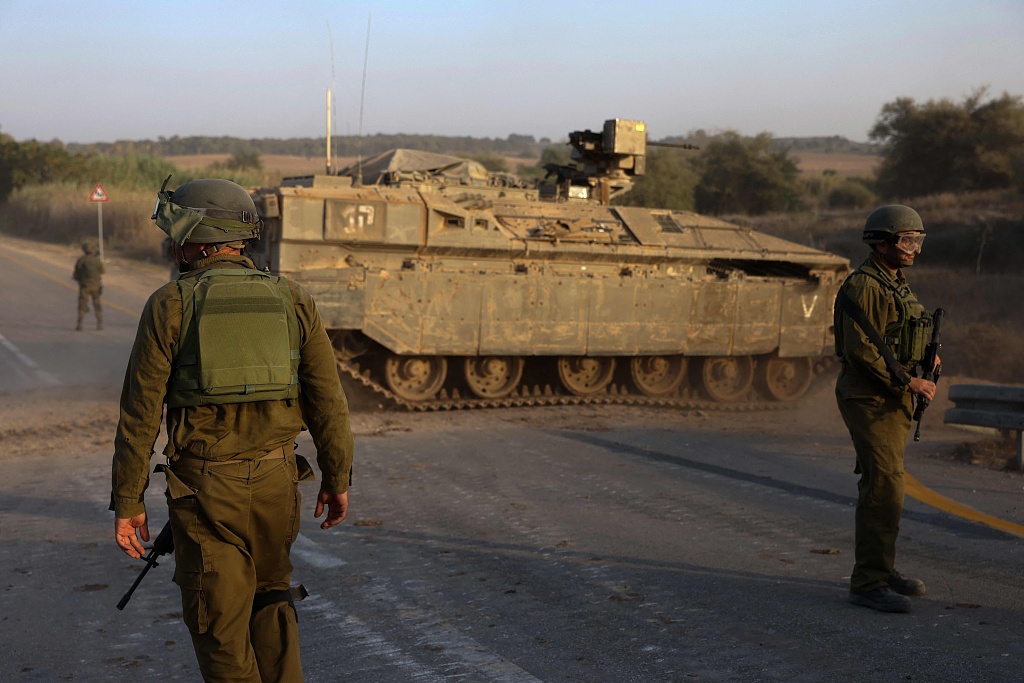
[206, 211]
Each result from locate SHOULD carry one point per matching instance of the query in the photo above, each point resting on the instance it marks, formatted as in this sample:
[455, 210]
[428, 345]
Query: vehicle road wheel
[784, 379]
[657, 375]
[726, 378]
[493, 376]
[584, 376]
[415, 378]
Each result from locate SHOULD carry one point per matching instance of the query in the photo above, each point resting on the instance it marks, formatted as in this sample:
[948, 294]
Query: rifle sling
[852, 309]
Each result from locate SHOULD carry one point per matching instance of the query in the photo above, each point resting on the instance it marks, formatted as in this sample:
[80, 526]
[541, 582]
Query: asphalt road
[563, 544]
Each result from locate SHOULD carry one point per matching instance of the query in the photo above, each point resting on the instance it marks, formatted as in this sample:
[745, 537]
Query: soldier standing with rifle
[243, 363]
[881, 335]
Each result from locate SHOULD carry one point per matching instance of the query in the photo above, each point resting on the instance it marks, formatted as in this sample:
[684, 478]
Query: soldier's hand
[337, 507]
[127, 532]
[922, 387]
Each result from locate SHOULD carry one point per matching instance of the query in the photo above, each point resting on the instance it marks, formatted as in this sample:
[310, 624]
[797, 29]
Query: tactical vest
[88, 270]
[908, 336]
[239, 340]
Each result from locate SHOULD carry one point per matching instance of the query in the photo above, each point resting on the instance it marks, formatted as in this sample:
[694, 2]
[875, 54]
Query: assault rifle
[931, 368]
[164, 544]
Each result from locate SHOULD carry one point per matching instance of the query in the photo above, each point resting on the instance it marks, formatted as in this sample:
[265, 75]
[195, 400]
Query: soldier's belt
[184, 460]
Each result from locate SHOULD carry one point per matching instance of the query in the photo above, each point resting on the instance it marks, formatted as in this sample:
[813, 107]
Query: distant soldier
[881, 333]
[89, 275]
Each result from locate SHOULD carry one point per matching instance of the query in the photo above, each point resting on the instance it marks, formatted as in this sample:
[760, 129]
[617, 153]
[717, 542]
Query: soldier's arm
[324, 406]
[142, 396]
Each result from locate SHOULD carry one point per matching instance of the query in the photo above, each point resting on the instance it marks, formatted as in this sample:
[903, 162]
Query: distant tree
[742, 175]
[245, 160]
[521, 145]
[668, 182]
[33, 162]
[945, 146]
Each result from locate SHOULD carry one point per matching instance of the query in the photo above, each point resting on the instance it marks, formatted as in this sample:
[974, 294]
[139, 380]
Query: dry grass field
[843, 164]
[282, 165]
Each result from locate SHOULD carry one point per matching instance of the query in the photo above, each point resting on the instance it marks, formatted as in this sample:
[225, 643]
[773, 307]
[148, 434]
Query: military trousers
[233, 526]
[879, 425]
[85, 292]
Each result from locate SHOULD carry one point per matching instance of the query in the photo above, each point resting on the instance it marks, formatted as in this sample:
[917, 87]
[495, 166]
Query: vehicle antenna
[362, 97]
[330, 94]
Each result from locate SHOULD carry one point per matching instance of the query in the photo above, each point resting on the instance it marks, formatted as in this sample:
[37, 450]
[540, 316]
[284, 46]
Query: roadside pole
[99, 196]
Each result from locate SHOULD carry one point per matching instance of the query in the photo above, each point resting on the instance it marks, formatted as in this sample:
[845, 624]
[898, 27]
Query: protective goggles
[909, 242]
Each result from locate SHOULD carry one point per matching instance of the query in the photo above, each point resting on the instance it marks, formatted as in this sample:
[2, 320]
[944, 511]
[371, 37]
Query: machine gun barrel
[673, 145]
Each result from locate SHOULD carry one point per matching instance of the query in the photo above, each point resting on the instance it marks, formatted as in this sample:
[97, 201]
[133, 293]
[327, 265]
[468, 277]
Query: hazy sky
[101, 70]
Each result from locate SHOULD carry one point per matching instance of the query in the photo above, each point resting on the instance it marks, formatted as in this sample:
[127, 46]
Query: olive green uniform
[89, 275]
[877, 409]
[233, 522]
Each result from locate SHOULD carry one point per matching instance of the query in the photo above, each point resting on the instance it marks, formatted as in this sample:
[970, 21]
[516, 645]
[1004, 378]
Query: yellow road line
[919, 491]
[64, 283]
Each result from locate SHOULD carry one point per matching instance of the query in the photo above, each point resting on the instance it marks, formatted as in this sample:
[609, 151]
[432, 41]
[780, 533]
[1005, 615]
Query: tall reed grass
[60, 212]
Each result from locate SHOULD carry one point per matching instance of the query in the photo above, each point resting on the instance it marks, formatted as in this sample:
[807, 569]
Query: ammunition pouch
[909, 335]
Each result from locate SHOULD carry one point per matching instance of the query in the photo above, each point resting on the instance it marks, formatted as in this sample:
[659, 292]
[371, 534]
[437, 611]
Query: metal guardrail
[985, 405]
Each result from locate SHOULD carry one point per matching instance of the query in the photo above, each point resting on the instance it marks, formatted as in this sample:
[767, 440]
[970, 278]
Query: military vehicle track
[548, 396]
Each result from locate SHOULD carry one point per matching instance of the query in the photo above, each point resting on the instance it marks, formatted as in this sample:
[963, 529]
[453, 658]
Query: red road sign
[99, 194]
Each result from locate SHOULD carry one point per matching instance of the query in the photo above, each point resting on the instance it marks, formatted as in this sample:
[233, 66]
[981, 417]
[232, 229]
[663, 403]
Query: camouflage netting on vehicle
[410, 161]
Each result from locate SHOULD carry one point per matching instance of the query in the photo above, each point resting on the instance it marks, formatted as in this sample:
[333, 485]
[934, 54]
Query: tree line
[937, 146]
[342, 145]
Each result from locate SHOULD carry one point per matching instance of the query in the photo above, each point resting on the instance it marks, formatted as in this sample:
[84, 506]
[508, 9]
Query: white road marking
[426, 628]
[40, 374]
[309, 552]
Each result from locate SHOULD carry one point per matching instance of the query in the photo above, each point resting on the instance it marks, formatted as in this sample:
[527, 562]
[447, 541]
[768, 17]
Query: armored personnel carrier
[445, 286]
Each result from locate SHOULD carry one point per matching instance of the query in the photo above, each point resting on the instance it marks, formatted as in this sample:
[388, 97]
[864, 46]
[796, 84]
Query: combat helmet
[886, 222]
[207, 211]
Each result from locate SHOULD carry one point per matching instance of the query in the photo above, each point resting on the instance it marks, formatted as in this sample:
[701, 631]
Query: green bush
[245, 160]
[851, 194]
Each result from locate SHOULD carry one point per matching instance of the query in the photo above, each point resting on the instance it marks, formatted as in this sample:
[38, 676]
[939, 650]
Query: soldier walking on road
[89, 275]
[880, 334]
[243, 362]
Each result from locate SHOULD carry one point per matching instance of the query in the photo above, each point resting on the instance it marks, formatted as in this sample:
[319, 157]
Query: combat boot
[906, 586]
[883, 599]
